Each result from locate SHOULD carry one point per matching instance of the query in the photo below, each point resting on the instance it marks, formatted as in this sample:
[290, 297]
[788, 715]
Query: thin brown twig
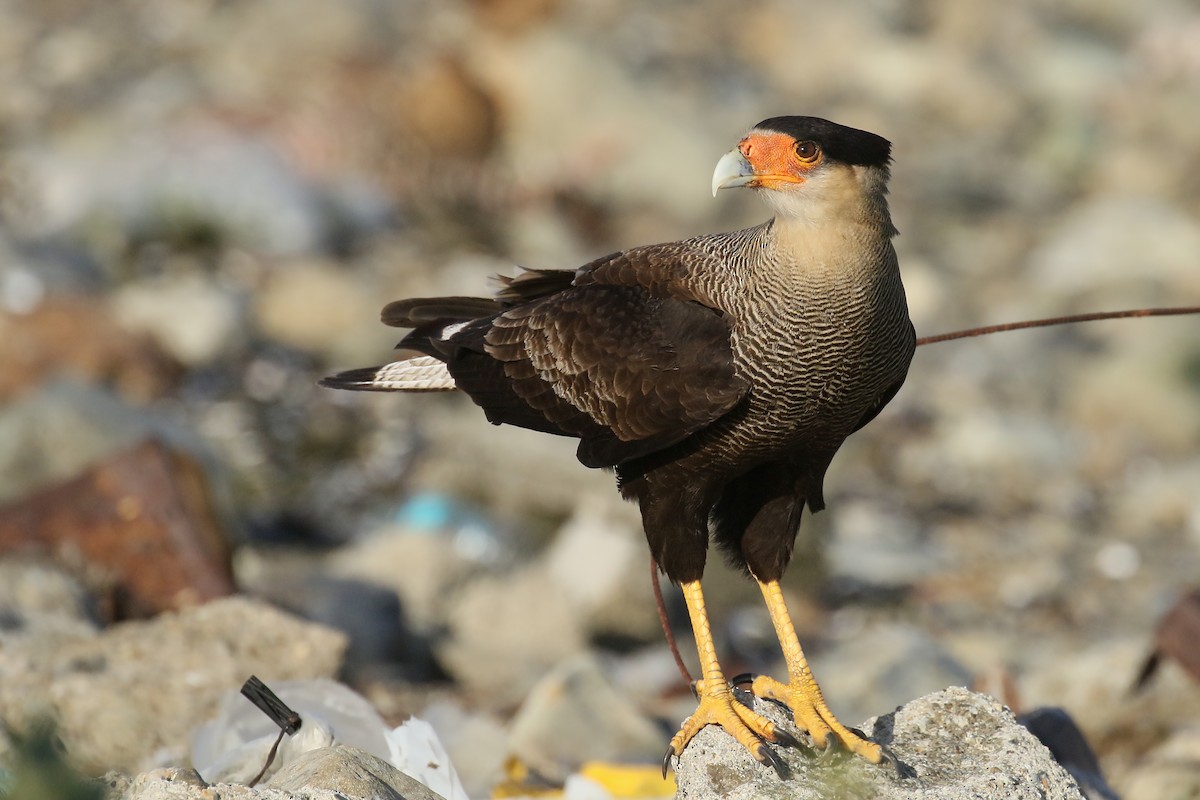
[270, 758]
[1067, 320]
[966, 333]
[666, 623]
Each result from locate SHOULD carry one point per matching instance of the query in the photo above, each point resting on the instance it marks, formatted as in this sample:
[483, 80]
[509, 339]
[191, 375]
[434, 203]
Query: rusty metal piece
[76, 335]
[140, 523]
[1177, 638]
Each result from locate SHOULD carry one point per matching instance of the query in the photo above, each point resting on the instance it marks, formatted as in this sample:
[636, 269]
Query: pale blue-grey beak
[732, 170]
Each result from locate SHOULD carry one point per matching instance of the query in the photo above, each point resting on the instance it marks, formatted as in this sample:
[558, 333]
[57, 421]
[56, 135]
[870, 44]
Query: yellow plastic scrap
[520, 781]
[621, 781]
[629, 780]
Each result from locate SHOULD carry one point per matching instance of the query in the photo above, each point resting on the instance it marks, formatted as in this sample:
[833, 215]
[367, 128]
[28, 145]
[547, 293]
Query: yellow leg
[801, 693]
[717, 704]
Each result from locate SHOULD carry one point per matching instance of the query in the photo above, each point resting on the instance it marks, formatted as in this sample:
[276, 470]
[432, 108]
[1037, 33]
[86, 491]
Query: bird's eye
[808, 152]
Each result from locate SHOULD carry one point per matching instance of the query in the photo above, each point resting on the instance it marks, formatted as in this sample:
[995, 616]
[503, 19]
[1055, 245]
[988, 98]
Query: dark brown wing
[624, 371]
[650, 370]
[620, 353]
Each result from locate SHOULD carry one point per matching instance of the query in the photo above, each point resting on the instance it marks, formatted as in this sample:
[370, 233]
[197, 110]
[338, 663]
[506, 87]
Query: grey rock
[181, 780]
[175, 783]
[575, 714]
[538, 76]
[1086, 678]
[114, 783]
[513, 471]
[54, 433]
[1170, 770]
[331, 773]
[139, 688]
[318, 306]
[883, 664]
[506, 631]
[951, 745]
[380, 639]
[599, 558]
[878, 545]
[350, 772]
[350, 593]
[1139, 392]
[167, 179]
[192, 317]
[1093, 249]
[433, 565]
[41, 599]
[185, 784]
[22, 288]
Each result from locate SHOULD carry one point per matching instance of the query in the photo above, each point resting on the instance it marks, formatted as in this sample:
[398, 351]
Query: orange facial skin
[776, 159]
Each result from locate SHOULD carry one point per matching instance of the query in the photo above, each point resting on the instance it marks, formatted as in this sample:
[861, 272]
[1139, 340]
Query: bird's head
[811, 168]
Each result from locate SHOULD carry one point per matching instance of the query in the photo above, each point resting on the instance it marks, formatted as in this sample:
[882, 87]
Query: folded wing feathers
[419, 374]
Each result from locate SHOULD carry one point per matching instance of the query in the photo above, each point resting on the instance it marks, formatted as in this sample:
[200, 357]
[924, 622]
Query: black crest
[848, 145]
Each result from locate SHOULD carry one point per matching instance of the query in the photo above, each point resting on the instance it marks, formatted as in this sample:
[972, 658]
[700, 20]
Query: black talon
[786, 739]
[695, 691]
[890, 759]
[766, 755]
[745, 677]
[667, 761]
[743, 696]
[832, 745]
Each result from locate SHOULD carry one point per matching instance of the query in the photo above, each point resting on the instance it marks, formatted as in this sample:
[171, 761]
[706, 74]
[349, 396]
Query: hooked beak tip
[732, 170]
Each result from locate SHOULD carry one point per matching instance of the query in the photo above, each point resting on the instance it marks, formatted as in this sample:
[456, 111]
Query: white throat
[834, 198]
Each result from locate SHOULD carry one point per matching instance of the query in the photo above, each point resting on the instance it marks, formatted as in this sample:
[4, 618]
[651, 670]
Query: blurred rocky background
[204, 205]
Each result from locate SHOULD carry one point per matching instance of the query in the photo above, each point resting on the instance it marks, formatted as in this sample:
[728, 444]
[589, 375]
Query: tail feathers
[414, 312]
[420, 374]
[530, 284]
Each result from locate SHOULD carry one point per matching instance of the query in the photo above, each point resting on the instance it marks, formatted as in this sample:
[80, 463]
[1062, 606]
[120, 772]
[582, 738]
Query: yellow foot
[752, 730]
[812, 715]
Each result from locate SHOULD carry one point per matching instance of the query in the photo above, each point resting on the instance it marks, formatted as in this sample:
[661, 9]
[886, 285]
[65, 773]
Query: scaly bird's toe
[812, 715]
[751, 730]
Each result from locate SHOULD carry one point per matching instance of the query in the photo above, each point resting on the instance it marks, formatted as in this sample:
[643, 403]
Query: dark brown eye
[808, 152]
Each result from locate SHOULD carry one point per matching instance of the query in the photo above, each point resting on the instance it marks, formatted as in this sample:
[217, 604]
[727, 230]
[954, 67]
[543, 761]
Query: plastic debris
[233, 747]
